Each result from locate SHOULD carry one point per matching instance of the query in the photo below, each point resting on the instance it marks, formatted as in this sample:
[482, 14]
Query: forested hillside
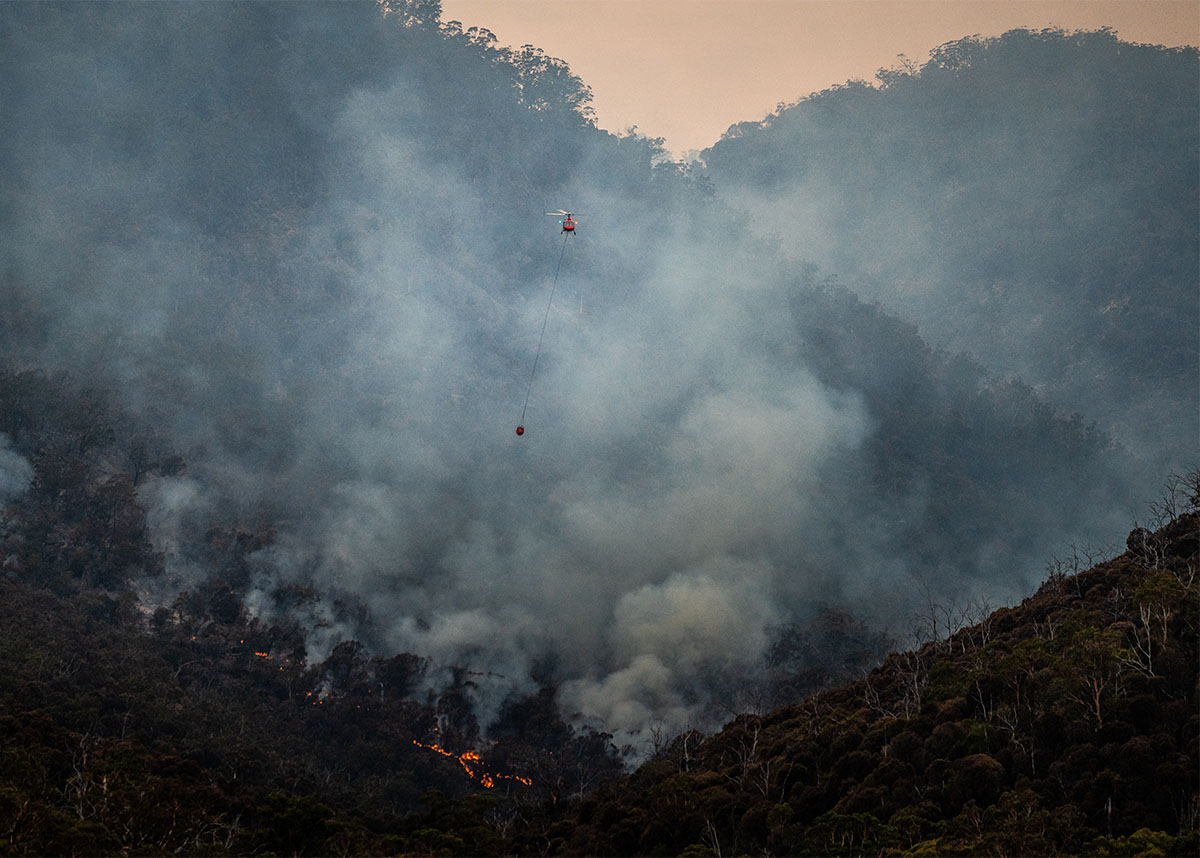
[1066, 725]
[1029, 198]
[272, 282]
[306, 248]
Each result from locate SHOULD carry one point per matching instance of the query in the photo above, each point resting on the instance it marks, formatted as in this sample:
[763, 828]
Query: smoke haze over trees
[1030, 199]
[301, 249]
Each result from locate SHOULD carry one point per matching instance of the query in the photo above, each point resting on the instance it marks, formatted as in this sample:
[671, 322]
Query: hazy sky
[686, 70]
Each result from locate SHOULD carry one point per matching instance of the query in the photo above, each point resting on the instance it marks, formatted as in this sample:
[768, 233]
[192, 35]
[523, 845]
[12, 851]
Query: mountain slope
[274, 288]
[1028, 198]
[1064, 725]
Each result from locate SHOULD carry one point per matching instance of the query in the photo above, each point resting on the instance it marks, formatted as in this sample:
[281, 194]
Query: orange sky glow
[686, 70]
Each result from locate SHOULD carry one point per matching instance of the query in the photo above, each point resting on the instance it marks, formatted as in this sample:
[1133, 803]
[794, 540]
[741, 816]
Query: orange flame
[470, 758]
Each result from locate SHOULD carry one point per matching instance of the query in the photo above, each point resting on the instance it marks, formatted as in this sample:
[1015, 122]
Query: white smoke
[15, 472]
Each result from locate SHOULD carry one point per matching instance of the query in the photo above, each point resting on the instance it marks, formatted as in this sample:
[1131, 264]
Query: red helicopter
[568, 225]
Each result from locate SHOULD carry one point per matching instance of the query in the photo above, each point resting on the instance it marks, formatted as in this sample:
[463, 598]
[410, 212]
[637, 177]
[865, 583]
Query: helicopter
[568, 224]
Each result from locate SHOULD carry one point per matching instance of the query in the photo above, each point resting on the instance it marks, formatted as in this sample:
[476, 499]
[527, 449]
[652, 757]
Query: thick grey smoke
[346, 371]
[664, 451]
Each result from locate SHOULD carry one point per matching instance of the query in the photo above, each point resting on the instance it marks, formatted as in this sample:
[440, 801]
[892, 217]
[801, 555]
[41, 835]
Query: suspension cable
[538, 353]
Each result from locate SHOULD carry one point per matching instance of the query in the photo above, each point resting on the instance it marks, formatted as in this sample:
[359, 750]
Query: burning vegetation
[472, 764]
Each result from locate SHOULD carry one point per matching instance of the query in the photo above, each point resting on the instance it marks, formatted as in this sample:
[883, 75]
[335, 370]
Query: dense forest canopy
[272, 277]
[1066, 725]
